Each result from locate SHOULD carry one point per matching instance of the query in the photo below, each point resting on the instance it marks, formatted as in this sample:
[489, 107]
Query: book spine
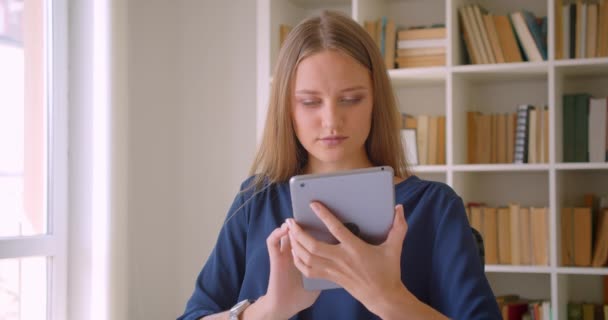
[521, 135]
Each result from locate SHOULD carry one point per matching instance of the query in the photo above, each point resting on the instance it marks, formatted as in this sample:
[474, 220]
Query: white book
[422, 123]
[422, 43]
[408, 138]
[597, 130]
[583, 31]
[525, 37]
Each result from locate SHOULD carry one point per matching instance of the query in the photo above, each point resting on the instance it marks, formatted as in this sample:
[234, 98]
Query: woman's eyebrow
[355, 88]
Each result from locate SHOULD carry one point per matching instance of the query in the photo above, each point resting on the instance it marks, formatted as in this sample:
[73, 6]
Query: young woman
[332, 108]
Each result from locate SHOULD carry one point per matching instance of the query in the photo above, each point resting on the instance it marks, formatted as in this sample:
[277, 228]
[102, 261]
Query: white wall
[191, 139]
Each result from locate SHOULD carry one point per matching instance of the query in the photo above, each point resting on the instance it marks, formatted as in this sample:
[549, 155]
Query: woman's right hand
[285, 296]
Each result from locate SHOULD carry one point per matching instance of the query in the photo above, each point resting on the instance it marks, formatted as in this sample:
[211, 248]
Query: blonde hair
[280, 155]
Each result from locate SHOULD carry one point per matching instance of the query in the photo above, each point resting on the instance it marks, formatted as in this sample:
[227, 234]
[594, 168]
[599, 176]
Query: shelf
[503, 71]
[499, 167]
[584, 271]
[582, 166]
[319, 3]
[494, 268]
[583, 67]
[428, 168]
[418, 76]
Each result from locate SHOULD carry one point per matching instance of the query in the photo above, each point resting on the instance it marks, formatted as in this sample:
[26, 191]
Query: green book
[581, 128]
[568, 128]
[575, 311]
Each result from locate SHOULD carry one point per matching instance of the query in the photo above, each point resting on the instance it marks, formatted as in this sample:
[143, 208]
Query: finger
[311, 244]
[273, 242]
[399, 228]
[335, 226]
[317, 269]
[307, 257]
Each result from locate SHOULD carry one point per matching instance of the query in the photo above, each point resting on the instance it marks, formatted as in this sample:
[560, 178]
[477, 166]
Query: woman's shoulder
[415, 187]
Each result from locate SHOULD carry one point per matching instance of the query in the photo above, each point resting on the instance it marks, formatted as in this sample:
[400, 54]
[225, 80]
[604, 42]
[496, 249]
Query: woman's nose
[331, 115]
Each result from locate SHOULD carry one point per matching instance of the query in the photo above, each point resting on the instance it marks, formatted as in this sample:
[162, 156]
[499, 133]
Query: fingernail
[289, 222]
[314, 206]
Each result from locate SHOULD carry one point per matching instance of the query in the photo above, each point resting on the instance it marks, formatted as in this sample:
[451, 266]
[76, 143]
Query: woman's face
[332, 105]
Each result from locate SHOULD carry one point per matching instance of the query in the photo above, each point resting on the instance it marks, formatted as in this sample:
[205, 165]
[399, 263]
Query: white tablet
[363, 199]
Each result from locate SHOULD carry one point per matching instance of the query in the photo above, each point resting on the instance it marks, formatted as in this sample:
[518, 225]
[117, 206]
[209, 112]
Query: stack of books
[585, 128]
[584, 232]
[421, 47]
[519, 137]
[492, 38]
[581, 29]
[382, 32]
[424, 139]
[513, 234]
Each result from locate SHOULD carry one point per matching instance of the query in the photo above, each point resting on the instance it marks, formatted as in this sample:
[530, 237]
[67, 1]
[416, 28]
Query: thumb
[399, 228]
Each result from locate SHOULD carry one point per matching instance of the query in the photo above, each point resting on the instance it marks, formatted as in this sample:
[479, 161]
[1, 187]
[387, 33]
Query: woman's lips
[333, 140]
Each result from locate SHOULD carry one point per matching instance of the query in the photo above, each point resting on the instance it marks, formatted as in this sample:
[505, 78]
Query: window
[33, 159]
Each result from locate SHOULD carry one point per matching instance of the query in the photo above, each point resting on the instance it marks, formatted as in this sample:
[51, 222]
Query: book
[422, 33]
[422, 133]
[432, 141]
[581, 235]
[591, 30]
[414, 52]
[504, 235]
[568, 121]
[511, 123]
[597, 129]
[515, 233]
[540, 236]
[472, 136]
[283, 33]
[600, 248]
[581, 127]
[493, 138]
[421, 61]
[559, 29]
[575, 311]
[602, 34]
[501, 143]
[389, 44]
[525, 253]
[493, 36]
[532, 134]
[408, 139]
[567, 240]
[478, 12]
[507, 39]
[581, 25]
[421, 43]
[521, 134]
[525, 37]
[467, 35]
[490, 235]
[441, 140]
[476, 35]
[484, 140]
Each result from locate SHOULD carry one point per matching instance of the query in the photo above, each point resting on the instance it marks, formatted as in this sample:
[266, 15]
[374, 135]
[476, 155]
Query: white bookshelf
[456, 88]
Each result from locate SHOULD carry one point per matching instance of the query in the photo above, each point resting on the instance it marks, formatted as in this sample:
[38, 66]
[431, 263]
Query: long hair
[280, 155]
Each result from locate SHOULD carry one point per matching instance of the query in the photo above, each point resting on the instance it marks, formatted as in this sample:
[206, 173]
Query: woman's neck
[316, 166]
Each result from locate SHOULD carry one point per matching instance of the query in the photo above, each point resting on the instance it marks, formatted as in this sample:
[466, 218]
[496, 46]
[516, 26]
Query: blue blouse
[440, 263]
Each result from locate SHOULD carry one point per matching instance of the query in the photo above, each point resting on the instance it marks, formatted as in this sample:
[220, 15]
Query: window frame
[52, 245]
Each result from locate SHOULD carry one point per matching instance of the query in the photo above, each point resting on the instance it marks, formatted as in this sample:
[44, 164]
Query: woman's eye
[350, 100]
[309, 102]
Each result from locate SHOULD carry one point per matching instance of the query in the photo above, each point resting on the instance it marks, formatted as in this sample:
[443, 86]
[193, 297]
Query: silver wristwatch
[238, 309]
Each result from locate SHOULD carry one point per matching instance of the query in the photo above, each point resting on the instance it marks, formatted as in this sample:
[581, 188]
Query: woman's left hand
[370, 273]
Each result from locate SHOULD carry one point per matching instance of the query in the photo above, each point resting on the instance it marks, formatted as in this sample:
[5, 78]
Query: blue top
[440, 262]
